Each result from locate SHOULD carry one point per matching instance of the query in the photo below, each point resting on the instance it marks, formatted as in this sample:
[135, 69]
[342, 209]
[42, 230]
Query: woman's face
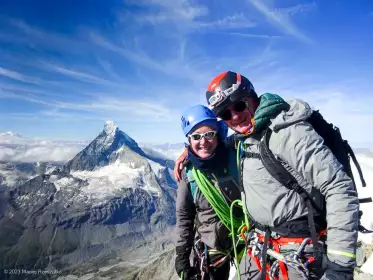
[206, 145]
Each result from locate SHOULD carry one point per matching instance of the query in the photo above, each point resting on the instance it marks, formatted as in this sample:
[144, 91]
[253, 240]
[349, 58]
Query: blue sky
[67, 66]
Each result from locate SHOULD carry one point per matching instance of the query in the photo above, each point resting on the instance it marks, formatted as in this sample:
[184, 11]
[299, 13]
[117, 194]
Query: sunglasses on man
[238, 107]
[208, 135]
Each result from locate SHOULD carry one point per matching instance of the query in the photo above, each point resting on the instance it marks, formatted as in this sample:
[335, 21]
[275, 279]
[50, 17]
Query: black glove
[336, 272]
[337, 275]
[190, 274]
[182, 262]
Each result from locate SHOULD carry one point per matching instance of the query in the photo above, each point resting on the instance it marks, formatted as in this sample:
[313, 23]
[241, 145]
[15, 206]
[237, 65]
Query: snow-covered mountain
[110, 145]
[112, 202]
[13, 174]
[114, 161]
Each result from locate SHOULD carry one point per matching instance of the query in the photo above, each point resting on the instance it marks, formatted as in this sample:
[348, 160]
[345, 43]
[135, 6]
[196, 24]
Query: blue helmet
[197, 115]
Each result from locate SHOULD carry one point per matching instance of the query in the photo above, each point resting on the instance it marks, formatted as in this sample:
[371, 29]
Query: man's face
[238, 115]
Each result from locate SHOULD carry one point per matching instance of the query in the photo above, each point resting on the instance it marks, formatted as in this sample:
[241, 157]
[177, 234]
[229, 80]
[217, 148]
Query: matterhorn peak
[110, 127]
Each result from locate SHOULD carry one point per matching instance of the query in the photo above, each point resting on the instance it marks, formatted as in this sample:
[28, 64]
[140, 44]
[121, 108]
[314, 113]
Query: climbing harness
[206, 258]
[280, 262]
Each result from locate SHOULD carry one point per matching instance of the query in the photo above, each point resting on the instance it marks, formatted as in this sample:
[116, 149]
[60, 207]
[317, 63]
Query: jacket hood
[298, 111]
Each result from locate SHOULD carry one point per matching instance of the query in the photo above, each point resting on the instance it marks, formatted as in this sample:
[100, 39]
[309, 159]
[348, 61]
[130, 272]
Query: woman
[205, 194]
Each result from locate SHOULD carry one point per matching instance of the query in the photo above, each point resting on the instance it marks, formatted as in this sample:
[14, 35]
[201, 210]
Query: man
[280, 214]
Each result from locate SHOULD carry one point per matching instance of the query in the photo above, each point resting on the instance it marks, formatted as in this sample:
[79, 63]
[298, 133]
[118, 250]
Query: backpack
[338, 146]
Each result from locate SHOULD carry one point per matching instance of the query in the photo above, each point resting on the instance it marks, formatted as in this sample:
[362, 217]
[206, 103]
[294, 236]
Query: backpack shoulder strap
[191, 182]
[274, 167]
[277, 171]
[351, 153]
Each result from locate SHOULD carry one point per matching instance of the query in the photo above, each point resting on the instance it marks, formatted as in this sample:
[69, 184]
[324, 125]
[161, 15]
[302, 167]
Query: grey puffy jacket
[303, 154]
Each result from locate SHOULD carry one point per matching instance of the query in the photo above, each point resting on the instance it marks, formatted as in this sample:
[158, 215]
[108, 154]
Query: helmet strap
[250, 130]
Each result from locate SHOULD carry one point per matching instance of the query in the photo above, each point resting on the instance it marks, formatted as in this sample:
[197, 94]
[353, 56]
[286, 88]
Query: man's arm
[302, 148]
[179, 165]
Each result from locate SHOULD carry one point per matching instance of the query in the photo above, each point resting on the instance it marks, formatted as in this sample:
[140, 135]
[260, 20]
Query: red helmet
[227, 88]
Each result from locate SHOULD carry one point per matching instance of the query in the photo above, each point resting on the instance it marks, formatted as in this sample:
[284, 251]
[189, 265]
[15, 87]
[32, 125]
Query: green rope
[216, 199]
[238, 160]
[240, 146]
[222, 209]
[233, 240]
[238, 156]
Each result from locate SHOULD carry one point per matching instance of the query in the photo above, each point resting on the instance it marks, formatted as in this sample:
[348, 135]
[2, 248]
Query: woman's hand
[179, 164]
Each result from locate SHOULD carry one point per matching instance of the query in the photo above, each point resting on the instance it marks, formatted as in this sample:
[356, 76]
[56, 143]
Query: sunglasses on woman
[238, 107]
[208, 135]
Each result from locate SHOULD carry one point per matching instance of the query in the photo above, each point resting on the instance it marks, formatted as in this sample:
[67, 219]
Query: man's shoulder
[298, 111]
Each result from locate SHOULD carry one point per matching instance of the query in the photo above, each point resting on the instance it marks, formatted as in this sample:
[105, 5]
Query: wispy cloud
[298, 9]
[281, 19]
[176, 65]
[262, 60]
[21, 89]
[27, 29]
[135, 110]
[141, 59]
[28, 97]
[99, 107]
[108, 68]
[56, 113]
[172, 10]
[18, 76]
[81, 76]
[252, 35]
[190, 17]
[20, 117]
[35, 37]
[230, 22]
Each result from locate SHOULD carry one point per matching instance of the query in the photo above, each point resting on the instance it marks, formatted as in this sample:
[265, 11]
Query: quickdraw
[202, 260]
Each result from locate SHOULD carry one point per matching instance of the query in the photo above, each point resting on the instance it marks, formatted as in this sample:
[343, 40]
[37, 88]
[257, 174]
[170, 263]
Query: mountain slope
[110, 204]
[13, 174]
